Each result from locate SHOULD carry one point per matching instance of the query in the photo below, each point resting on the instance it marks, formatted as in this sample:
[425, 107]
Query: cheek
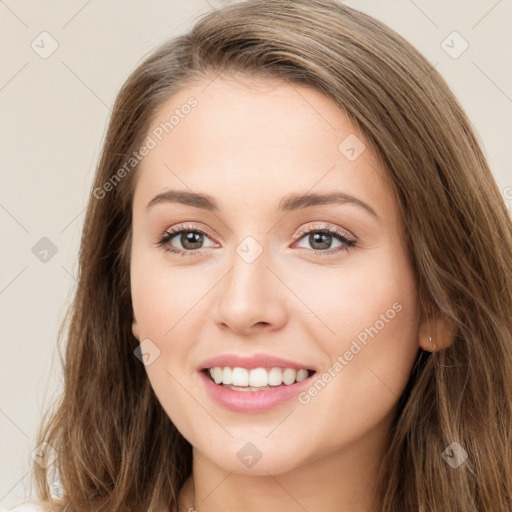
[364, 313]
[371, 364]
[163, 298]
[163, 292]
[372, 347]
[352, 295]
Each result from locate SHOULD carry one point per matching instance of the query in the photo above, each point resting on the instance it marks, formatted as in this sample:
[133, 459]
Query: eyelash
[172, 232]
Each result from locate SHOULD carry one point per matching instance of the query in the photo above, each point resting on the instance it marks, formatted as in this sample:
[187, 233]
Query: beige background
[54, 115]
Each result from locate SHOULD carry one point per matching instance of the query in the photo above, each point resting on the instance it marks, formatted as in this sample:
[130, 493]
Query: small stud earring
[430, 336]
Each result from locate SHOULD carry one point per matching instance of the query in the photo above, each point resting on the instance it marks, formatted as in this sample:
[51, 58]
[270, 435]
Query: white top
[26, 507]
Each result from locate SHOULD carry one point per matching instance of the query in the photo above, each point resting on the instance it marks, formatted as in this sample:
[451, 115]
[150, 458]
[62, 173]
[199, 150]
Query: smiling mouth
[206, 371]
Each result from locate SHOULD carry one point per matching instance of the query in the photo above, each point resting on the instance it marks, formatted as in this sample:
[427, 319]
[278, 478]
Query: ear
[436, 333]
[135, 327]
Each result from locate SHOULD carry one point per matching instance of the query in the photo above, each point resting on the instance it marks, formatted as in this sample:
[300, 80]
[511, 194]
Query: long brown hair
[117, 450]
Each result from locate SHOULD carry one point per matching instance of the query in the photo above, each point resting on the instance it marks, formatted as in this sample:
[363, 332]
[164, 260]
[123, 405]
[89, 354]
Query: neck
[344, 480]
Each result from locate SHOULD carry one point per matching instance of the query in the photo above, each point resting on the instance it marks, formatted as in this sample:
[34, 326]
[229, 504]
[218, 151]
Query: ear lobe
[135, 327]
[436, 333]
[135, 330]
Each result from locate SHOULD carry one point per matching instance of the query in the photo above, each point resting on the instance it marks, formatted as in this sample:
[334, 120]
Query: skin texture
[249, 144]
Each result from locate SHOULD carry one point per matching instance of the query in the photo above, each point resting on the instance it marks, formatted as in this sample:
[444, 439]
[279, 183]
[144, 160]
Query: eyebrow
[288, 203]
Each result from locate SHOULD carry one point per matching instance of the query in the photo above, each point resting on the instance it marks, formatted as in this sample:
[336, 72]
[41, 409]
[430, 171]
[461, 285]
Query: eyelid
[346, 237]
[302, 231]
[190, 227]
[323, 225]
[180, 228]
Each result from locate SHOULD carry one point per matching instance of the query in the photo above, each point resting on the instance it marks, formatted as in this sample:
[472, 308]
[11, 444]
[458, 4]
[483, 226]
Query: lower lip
[252, 401]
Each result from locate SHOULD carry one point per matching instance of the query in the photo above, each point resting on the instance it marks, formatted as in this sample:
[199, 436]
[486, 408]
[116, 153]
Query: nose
[251, 297]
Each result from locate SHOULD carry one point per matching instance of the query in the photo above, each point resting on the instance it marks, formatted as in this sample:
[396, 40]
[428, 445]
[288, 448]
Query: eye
[191, 240]
[321, 239]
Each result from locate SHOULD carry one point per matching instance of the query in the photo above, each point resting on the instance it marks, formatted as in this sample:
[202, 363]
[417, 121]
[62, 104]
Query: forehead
[259, 138]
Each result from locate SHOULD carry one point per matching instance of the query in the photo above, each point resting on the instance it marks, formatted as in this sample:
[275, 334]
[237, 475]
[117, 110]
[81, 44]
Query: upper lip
[253, 361]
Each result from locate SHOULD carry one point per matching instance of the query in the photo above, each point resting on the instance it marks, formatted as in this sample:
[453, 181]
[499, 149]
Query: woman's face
[264, 280]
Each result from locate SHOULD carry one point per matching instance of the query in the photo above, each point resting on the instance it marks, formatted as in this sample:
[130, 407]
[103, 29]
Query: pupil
[315, 237]
[191, 238]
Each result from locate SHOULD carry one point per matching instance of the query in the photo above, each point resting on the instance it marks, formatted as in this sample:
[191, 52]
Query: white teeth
[275, 377]
[289, 376]
[227, 375]
[216, 374]
[301, 375]
[240, 377]
[257, 377]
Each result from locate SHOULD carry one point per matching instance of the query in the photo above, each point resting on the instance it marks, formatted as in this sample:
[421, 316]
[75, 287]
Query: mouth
[257, 390]
[256, 380]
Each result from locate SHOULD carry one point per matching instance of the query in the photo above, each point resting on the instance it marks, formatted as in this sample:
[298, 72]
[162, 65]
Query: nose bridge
[248, 276]
[248, 296]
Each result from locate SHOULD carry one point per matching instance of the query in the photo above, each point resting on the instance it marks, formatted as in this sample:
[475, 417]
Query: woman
[295, 288]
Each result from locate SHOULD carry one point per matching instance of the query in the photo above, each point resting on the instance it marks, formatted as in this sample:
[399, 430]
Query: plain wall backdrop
[62, 64]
